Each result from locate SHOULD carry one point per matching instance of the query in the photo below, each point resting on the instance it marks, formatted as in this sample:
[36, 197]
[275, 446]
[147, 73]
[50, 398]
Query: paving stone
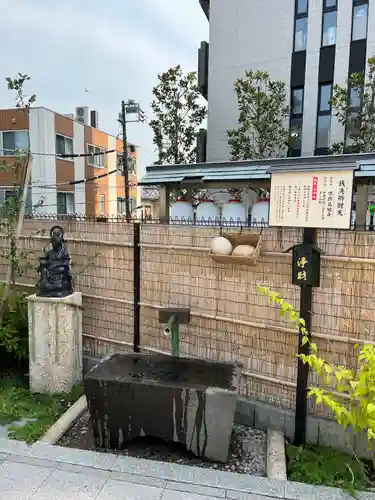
[136, 478]
[62, 485]
[120, 490]
[238, 495]
[20, 481]
[80, 469]
[39, 462]
[13, 447]
[3, 456]
[197, 489]
[198, 476]
[172, 495]
[73, 456]
[299, 491]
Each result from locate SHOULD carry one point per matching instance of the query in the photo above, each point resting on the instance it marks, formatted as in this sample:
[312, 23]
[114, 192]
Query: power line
[65, 155]
[80, 181]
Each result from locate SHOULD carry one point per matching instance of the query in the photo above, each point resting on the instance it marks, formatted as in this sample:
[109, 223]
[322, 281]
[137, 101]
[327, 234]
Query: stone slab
[63, 485]
[276, 460]
[20, 481]
[118, 490]
[196, 489]
[186, 400]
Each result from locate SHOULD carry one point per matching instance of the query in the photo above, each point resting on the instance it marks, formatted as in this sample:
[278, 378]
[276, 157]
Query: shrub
[14, 330]
[353, 400]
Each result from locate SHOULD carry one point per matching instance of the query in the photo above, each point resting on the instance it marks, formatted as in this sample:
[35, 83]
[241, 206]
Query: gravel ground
[247, 453]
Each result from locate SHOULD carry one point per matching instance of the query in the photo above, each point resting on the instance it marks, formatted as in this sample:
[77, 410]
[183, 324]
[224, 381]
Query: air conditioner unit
[82, 115]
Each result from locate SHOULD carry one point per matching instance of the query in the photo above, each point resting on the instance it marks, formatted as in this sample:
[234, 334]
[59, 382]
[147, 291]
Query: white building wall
[371, 30]
[343, 40]
[244, 35]
[79, 168]
[258, 34]
[43, 140]
[112, 179]
[311, 77]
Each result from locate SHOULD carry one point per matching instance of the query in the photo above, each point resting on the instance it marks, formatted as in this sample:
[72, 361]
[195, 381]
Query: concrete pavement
[46, 472]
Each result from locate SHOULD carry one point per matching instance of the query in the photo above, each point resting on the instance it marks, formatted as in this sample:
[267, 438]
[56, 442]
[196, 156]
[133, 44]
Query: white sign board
[320, 199]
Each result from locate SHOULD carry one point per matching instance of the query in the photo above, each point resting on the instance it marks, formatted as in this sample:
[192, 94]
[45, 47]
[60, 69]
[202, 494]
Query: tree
[14, 207]
[353, 105]
[178, 115]
[262, 114]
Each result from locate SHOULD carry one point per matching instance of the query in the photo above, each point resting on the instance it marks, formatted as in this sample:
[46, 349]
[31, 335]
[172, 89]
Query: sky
[113, 49]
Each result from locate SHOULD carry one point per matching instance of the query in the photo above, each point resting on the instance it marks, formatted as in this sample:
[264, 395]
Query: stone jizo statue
[54, 270]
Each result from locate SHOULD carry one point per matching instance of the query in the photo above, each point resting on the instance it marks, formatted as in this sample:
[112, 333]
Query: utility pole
[125, 171]
[129, 107]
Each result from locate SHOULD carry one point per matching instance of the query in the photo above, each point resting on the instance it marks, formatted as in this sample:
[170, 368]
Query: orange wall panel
[64, 125]
[14, 119]
[64, 173]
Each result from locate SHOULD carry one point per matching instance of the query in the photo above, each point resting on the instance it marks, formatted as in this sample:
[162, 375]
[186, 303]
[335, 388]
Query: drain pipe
[173, 329]
[173, 318]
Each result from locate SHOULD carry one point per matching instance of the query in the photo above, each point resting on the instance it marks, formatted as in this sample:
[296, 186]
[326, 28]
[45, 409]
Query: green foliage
[18, 85]
[178, 115]
[14, 329]
[262, 114]
[18, 403]
[326, 466]
[358, 118]
[353, 399]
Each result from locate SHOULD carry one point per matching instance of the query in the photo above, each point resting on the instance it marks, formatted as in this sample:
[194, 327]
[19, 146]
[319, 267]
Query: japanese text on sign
[317, 199]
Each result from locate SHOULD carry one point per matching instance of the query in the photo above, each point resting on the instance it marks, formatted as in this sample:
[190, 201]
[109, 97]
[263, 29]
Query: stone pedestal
[55, 342]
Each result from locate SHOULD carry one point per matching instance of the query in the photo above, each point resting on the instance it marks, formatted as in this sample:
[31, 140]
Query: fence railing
[128, 271]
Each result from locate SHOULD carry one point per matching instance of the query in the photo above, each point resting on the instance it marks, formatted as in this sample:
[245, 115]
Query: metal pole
[136, 287]
[125, 171]
[309, 237]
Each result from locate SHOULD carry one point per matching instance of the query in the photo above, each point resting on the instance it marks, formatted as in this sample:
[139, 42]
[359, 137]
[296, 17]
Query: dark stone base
[189, 401]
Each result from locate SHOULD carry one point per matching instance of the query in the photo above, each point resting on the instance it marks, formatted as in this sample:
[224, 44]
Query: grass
[18, 403]
[326, 466]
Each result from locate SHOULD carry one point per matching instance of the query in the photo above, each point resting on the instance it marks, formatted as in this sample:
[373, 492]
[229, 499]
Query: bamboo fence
[229, 319]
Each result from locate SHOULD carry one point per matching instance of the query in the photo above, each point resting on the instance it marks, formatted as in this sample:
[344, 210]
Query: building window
[323, 127]
[301, 6]
[65, 203]
[121, 209]
[102, 204]
[360, 18]
[64, 147]
[329, 22]
[13, 141]
[98, 158]
[297, 95]
[300, 36]
[297, 101]
[300, 25]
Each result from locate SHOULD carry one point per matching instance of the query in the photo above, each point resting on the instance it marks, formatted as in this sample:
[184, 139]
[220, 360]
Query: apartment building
[53, 188]
[310, 45]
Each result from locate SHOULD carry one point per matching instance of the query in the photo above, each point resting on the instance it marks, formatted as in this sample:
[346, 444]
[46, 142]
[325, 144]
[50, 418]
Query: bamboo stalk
[252, 324]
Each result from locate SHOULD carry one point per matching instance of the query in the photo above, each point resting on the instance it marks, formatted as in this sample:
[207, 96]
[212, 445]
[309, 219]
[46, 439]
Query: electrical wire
[64, 156]
[82, 204]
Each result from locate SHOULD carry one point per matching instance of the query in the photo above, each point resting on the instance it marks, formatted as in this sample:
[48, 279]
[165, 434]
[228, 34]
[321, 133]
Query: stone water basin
[186, 400]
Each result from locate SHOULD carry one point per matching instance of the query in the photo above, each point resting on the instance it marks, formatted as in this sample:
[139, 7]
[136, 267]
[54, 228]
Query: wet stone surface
[247, 453]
